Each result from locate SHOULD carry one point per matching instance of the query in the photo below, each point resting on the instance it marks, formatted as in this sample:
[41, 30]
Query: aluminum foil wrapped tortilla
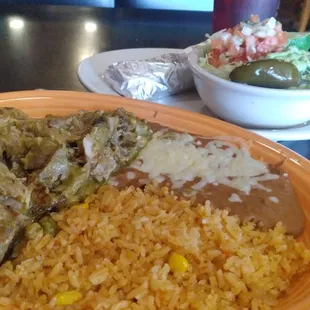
[152, 78]
[170, 74]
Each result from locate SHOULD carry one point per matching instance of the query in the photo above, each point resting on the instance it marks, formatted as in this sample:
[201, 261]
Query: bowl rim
[67, 100]
[261, 91]
[39, 103]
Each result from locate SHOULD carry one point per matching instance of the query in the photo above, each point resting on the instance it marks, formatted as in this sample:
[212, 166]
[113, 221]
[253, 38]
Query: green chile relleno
[270, 73]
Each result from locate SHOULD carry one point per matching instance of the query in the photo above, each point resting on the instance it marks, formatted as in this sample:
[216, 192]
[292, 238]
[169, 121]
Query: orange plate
[40, 103]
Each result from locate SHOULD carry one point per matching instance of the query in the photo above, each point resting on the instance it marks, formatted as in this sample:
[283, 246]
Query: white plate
[91, 69]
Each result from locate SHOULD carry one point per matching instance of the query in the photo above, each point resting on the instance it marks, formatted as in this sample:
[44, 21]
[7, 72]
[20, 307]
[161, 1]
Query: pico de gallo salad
[259, 53]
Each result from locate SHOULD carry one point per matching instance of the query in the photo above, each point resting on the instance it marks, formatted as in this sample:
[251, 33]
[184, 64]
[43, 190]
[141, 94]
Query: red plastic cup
[228, 13]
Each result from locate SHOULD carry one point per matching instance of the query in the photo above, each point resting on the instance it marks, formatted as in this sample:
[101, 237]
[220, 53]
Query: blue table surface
[300, 147]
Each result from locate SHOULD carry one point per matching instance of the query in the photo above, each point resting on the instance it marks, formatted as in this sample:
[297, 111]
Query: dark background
[289, 12]
[194, 5]
[47, 50]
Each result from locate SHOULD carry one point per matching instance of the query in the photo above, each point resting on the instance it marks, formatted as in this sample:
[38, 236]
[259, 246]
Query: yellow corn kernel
[67, 298]
[178, 263]
[81, 206]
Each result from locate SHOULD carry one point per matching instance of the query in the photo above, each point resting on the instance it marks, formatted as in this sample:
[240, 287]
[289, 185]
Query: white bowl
[250, 106]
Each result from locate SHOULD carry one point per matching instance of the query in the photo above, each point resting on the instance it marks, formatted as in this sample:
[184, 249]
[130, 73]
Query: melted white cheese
[234, 198]
[112, 181]
[274, 199]
[218, 162]
[130, 175]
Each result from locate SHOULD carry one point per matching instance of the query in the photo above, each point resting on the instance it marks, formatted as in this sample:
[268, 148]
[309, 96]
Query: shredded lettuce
[222, 72]
[298, 57]
[299, 40]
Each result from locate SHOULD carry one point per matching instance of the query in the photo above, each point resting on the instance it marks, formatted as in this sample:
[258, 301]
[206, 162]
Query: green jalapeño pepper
[271, 73]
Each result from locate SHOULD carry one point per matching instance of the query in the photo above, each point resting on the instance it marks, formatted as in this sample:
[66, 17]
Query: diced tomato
[238, 33]
[279, 49]
[282, 37]
[278, 27]
[233, 50]
[217, 44]
[267, 45]
[213, 58]
[240, 58]
[249, 48]
[254, 19]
